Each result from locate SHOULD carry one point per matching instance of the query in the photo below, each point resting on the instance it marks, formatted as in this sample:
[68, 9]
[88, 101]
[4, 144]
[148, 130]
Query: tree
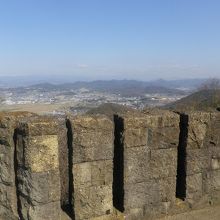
[210, 84]
[213, 85]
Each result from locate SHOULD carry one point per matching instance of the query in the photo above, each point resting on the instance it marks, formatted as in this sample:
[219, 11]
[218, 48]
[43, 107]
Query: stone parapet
[138, 166]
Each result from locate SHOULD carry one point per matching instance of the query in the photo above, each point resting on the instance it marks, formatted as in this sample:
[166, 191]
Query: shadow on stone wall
[16, 170]
[68, 208]
[181, 158]
[118, 164]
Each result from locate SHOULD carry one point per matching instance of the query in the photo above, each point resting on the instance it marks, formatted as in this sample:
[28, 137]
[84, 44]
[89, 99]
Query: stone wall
[8, 201]
[202, 159]
[38, 174]
[8, 196]
[137, 166]
[92, 166]
[150, 159]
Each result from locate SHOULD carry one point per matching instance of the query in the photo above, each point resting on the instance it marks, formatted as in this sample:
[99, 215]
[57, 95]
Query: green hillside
[204, 100]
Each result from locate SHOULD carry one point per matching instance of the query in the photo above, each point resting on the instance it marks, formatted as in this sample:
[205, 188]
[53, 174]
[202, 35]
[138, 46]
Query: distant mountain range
[16, 81]
[123, 87]
[126, 87]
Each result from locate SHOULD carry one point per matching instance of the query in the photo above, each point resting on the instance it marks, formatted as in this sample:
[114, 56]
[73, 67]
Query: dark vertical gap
[181, 159]
[16, 175]
[118, 164]
[63, 166]
[68, 208]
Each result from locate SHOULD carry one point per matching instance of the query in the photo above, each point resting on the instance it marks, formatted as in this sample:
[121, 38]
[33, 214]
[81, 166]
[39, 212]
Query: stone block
[38, 172]
[166, 190]
[41, 154]
[91, 123]
[135, 137]
[213, 139]
[197, 160]
[38, 126]
[6, 164]
[136, 164]
[212, 181]
[92, 139]
[102, 172]
[155, 130]
[90, 146]
[134, 214]
[8, 200]
[140, 194]
[134, 121]
[158, 118]
[166, 137]
[198, 127]
[39, 188]
[163, 163]
[93, 201]
[194, 183]
[82, 174]
[93, 173]
[47, 211]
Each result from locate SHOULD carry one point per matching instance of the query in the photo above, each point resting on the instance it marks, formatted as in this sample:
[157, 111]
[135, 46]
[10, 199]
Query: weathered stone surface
[42, 156]
[44, 211]
[212, 181]
[157, 130]
[8, 198]
[197, 129]
[44, 163]
[92, 166]
[93, 201]
[136, 213]
[37, 126]
[94, 173]
[92, 146]
[8, 201]
[161, 118]
[92, 123]
[138, 195]
[166, 190]
[163, 137]
[163, 163]
[40, 187]
[194, 188]
[150, 199]
[150, 162]
[92, 139]
[38, 170]
[136, 164]
[202, 157]
[197, 160]
[136, 137]
[213, 139]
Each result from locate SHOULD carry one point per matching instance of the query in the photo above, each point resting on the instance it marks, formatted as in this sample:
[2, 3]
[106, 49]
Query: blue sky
[105, 39]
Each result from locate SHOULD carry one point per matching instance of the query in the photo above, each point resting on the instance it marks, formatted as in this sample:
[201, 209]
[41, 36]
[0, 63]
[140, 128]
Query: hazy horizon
[22, 80]
[123, 39]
